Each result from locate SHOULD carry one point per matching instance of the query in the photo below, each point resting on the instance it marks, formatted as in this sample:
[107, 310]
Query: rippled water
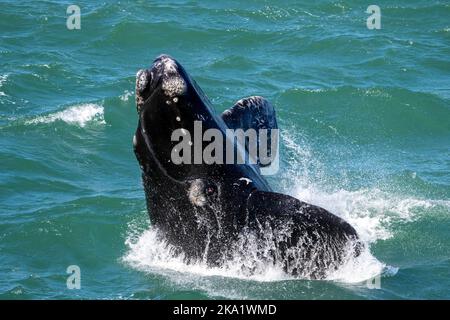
[365, 119]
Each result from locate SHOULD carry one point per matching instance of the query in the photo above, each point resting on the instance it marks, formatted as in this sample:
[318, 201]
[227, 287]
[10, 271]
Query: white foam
[370, 211]
[3, 79]
[360, 269]
[79, 115]
[126, 95]
[148, 253]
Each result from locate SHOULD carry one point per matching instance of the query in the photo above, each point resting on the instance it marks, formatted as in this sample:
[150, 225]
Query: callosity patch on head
[173, 83]
[143, 78]
[196, 193]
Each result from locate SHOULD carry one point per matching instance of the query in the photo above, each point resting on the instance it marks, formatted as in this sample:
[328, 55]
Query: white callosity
[196, 193]
[172, 83]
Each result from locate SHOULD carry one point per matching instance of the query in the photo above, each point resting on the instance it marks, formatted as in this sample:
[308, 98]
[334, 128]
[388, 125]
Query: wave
[366, 115]
[79, 115]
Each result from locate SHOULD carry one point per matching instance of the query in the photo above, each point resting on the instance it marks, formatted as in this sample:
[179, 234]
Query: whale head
[179, 195]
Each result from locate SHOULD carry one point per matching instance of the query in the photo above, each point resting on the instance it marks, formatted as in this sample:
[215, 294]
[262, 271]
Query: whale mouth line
[151, 153]
[146, 102]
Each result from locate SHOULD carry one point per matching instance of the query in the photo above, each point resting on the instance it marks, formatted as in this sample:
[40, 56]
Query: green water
[364, 114]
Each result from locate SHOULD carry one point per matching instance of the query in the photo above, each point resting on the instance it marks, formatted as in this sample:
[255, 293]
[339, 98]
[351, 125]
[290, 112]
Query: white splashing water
[149, 253]
[369, 211]
[79, 115]
[3, 79]
[126, 95]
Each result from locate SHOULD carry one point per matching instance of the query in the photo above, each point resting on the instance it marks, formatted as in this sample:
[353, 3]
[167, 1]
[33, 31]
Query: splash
[370, 211]
[126, 95]
[79, 115]
[3, 79]
[148, 252]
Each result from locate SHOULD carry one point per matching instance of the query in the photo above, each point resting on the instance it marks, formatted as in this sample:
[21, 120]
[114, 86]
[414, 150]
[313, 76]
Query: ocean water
[364, 118]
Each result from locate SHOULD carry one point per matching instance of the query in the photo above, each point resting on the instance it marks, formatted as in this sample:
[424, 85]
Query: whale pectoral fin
[280, 211]
[256, 113]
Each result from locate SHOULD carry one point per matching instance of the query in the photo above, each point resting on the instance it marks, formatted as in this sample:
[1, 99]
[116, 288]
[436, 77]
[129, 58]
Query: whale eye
[202, 191]
[210, 190]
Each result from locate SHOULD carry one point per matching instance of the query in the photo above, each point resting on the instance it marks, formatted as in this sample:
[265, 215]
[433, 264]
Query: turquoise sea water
[364, 114]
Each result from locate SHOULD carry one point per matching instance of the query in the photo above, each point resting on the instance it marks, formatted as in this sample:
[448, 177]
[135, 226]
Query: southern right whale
[207, 212]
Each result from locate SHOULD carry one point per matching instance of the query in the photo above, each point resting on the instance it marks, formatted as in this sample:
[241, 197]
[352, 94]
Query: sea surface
[364, 117]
